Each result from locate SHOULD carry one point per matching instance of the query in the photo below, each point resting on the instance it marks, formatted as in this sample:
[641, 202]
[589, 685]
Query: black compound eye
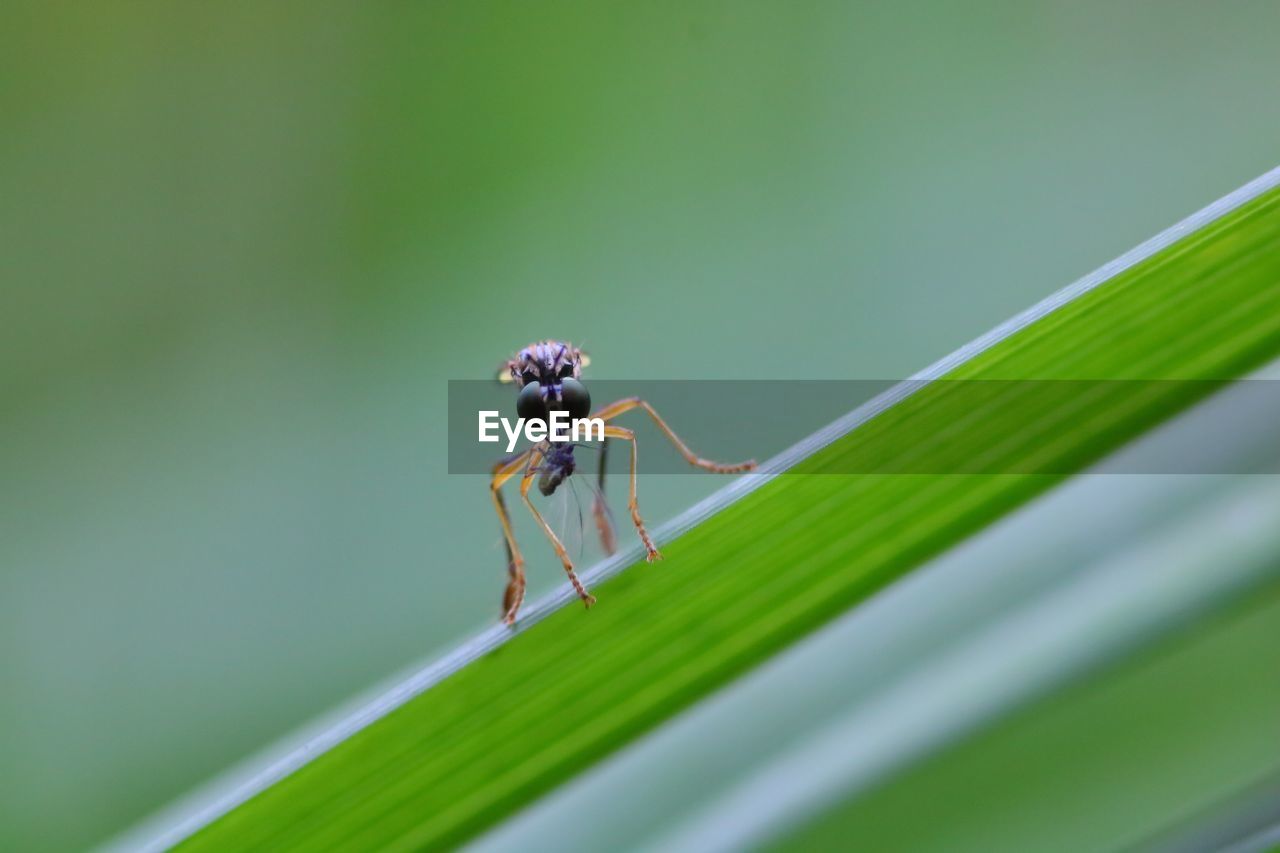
[529, 404]
[575, 397]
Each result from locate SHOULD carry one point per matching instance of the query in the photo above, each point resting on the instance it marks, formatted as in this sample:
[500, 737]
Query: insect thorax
[557, 465]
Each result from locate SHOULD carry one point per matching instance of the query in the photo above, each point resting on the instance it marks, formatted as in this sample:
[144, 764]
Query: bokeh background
[244, 247]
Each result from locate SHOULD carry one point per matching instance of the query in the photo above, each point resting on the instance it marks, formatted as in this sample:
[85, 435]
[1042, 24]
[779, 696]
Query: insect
[548, 377]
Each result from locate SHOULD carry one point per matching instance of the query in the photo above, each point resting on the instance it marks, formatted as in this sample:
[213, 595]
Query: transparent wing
[569, 520]
[601, 516]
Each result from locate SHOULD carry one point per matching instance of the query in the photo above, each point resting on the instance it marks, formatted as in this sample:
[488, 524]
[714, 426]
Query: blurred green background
[243, 247]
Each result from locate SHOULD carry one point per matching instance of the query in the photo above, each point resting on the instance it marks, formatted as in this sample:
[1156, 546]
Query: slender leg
[651, 553]
[608, 541]
[514, 594]
[525, 483]
[614, 409]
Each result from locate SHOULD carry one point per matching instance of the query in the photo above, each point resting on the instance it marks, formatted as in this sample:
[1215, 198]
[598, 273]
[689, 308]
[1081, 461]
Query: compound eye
[576, 399]
[529, 404]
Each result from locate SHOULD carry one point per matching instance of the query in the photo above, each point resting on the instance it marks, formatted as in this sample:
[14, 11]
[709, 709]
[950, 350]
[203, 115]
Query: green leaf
[1159, 750]
[788, 557]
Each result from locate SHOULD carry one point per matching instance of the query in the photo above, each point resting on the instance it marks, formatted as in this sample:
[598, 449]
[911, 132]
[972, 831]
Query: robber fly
[548, 376]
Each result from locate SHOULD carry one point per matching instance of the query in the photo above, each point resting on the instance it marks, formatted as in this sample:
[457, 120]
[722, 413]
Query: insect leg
[604, 526]
[514, 595]
[525, 483]
[632, 504]
[625, 405]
